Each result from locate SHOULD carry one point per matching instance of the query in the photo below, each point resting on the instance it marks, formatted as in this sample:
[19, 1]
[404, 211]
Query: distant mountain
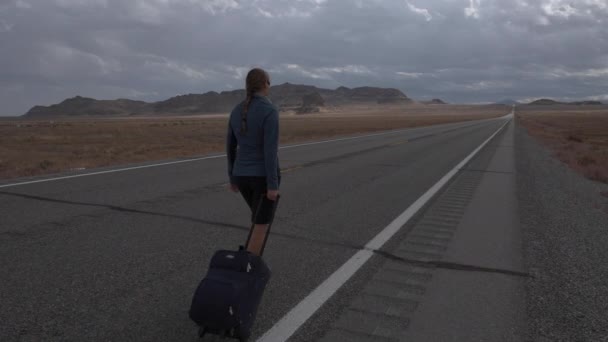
[311, 103]
[211, 102]
[548, 102]
[544, 102]
[285, 96]
[435, 101]
[86, 106]
[587, 103]
[508, 102]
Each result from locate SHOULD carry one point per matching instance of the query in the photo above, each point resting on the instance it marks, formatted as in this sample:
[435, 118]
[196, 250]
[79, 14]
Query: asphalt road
[117, 256]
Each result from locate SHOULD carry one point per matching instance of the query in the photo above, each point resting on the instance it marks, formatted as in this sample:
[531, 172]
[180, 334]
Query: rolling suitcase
[226, 300]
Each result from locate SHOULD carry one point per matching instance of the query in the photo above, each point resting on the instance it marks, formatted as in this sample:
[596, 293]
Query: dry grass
[577, 135]
[29, 148]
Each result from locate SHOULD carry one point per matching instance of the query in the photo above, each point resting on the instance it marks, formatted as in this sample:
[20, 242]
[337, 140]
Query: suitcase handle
[274, 209]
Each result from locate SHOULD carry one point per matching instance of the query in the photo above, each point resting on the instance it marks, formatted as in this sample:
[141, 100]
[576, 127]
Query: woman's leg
[251, 194]
[262, 215]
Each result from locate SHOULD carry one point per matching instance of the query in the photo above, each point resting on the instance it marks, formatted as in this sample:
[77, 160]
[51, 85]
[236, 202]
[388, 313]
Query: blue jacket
[256, 152]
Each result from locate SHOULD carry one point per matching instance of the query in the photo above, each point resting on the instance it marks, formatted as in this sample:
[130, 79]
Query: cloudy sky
[459, 50]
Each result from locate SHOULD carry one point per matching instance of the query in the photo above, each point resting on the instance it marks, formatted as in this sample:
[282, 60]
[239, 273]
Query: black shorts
[253, 189]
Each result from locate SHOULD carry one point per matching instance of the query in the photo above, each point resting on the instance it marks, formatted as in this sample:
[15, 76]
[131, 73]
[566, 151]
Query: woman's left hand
[233, 188]
[272, 195]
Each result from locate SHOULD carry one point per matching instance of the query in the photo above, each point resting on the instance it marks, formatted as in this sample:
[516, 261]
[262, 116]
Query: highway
[115, 254]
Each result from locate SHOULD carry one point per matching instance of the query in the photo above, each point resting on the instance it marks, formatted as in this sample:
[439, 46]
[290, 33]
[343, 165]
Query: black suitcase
[226, 300]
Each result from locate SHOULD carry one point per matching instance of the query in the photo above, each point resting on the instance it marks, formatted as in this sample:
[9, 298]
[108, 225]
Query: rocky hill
[587, 103]
[549, 102]
[544, 102]
[285, 96]
[434, 101]
[86, 106]
[311, 103]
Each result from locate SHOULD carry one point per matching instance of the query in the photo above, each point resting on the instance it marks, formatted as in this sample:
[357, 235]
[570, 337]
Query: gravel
[564, 219]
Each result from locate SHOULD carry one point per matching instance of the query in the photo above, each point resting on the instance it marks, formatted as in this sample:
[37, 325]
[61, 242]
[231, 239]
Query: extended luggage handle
[257, 211]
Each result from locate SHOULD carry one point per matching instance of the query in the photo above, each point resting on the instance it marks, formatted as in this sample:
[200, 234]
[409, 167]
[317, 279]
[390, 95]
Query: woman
[253, 168]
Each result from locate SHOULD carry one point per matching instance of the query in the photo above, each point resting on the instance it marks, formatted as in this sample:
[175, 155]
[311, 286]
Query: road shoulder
[458, 275]
[565, 225]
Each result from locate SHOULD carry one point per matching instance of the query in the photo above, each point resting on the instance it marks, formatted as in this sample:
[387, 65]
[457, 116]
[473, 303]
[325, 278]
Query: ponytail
[244, 112]
[257, 79]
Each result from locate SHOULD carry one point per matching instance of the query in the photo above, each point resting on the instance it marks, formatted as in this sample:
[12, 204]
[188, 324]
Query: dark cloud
[459, 50]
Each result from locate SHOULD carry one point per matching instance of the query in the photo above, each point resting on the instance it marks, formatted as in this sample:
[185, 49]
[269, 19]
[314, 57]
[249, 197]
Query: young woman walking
[252, 146]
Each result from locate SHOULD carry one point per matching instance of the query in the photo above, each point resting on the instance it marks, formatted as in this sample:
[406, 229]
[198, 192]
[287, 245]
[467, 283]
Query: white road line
[209, 157]
[109, 171]
[295, 318]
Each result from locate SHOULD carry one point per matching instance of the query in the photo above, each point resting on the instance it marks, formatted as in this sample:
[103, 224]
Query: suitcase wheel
[201, 332]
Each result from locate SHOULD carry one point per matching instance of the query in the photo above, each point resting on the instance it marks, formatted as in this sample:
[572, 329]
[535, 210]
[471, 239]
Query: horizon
[463, 52]
[416, 100]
